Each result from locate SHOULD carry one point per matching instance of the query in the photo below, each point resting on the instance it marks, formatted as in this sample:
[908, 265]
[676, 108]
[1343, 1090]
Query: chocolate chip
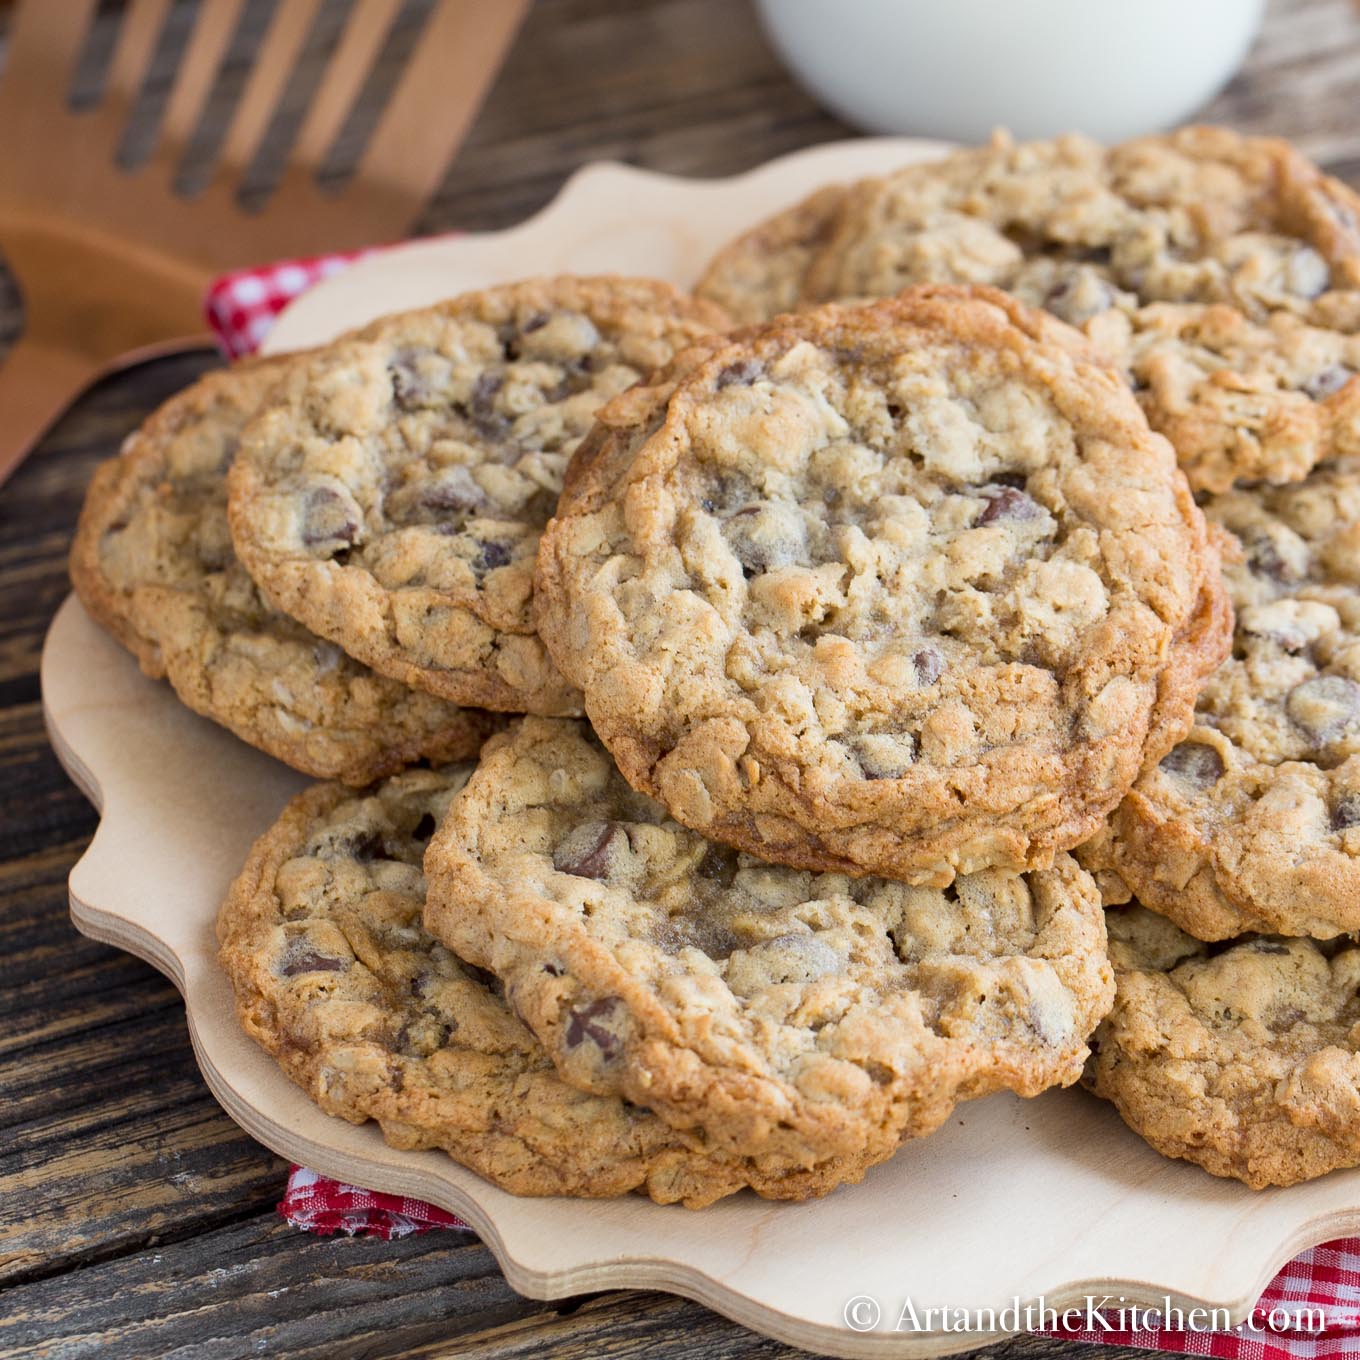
[719, 865]
[744, 372]
[453, 490]
[309, 961]
[424, 828]
[590, 1021]
[410, 391]
[367, 846]
[484, 390]
[490, 556]
[488, 421]
[329, 517]
[928, 664]
[1346, 813]
[708, 933]
[1328, 380]
[1194, 763]
[1264, 558]
[482, 976]
[1277, 624]
[587, 850]
[1324, 707]
[553, 970]
[1007, 503]
[213, 557]
[576, 378]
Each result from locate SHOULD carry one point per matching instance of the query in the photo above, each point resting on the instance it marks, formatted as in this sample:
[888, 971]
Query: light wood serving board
[1049, 1198]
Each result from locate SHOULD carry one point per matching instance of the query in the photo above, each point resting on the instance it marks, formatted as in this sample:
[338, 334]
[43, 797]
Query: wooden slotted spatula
[113, 264]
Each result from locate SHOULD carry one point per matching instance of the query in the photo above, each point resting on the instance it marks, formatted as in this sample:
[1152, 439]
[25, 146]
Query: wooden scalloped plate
[1048, 1198]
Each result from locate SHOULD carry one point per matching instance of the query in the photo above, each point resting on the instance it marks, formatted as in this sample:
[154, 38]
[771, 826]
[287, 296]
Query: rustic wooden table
[135, 1218]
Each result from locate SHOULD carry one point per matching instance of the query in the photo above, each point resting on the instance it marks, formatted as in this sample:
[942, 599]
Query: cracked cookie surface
[1253, 821]
[334, 975]
[1244, 1059]
[1202, 215]
[909, 589]
[392, 493]
[152, 561]
[782, 1012]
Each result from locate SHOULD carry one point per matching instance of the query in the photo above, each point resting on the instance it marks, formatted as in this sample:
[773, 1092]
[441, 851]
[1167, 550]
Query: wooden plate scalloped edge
[1014, 1199]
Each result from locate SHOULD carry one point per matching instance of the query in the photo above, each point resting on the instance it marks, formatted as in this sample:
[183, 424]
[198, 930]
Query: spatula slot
[152, 44]
[387, 66]
[92, 67]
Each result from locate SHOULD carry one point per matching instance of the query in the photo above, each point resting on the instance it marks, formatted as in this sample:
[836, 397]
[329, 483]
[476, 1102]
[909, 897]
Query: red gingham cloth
[240, 307]
[318, 1204]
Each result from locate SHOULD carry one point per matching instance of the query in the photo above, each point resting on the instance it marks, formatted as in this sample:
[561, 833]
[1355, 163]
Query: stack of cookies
[973, 561]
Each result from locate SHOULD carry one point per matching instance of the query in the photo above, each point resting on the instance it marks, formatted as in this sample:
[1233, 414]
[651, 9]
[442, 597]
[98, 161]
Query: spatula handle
[39, 381]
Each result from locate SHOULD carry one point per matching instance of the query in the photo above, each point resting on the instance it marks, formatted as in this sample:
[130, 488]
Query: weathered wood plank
[256, 1287]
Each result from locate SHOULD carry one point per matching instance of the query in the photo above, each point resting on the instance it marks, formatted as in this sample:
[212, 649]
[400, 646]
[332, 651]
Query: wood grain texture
[135, 1219]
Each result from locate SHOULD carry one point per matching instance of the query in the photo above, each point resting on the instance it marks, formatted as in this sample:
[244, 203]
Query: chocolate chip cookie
[152, 561]
[1244, 1059]
[321, 936]
[391, 495]
[1241, 400]
[909, 589]
[778, 1011]
[1202, 215]
[1253, 821]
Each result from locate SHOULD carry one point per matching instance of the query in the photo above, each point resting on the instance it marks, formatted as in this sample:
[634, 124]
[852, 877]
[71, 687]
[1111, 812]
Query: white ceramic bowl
[959, 68]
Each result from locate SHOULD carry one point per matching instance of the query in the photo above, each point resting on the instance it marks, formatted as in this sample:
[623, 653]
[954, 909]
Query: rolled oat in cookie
[1253, 821]
[777, 1012]
[321, 936]
[1243, 1058]
[909, 589]
[392, 493]
[1202, 216]
[152, 561]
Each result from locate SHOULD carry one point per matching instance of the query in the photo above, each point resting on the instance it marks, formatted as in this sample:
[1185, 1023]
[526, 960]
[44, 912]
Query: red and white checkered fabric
[240, 308]
[1309, 1311]
[318, 1204]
